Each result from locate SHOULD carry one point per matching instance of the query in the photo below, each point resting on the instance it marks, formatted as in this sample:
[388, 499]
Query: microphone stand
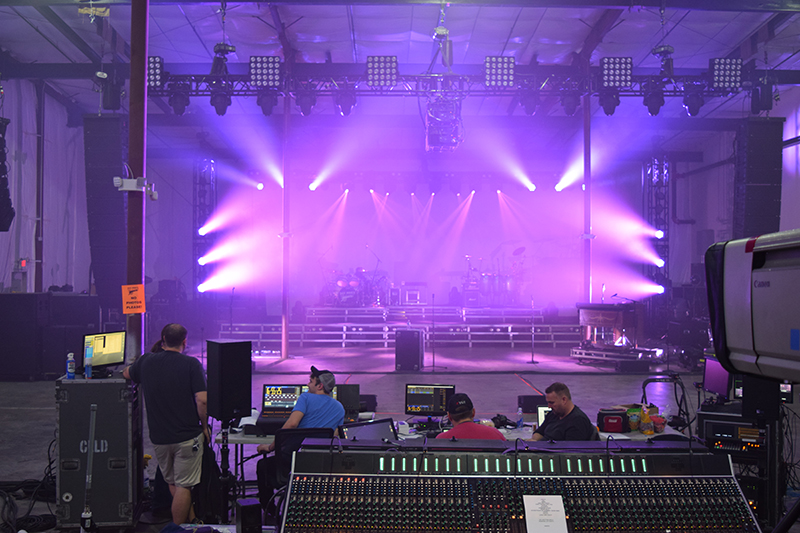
[533, 360]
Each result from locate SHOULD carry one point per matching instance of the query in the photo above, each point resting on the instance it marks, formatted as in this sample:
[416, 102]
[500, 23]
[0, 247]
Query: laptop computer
[276, 407]
[382, 430]
[541, 412]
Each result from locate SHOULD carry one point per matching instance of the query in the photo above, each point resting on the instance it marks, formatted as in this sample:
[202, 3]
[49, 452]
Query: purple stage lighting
[659, 234]
[660, 289]
[260, 186]
[659, 262]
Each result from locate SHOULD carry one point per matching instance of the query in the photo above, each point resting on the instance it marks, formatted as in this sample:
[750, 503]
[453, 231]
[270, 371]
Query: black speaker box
[248, 515]
[350, 398]
[758, 177]
[368, 403]
[117, 468]
[105, 141]
[229, 379]
[530, 404]
[408, 349]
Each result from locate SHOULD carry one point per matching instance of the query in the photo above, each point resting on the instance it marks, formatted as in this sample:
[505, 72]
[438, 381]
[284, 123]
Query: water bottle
[87, 363]
[520, 418]
[70, 365]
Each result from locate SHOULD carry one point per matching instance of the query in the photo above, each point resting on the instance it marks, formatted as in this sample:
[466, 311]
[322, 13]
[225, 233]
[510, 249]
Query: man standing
[461, 413]
[566, 421]
[313, 409]
[174, 389]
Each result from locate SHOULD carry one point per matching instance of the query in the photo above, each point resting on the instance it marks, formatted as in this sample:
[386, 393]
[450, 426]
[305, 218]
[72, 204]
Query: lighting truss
[382, 71]
[265, 71]
[156, 77]
[725, 74]
[499, 71]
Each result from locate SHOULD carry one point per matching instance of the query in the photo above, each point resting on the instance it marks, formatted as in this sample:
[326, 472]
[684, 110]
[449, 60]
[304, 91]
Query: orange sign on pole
[132, 299]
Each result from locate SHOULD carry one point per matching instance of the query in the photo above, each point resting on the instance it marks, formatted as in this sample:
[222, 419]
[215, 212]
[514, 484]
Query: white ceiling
[185, 33]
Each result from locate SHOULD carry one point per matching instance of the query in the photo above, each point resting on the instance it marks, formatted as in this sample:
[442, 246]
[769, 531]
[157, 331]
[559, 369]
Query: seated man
[566, 421]
[461, 413]
[313, 409]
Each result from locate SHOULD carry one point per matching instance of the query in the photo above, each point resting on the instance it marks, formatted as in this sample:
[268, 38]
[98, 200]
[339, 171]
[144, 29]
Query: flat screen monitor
[335, 391]
[279, 397]
[107, 349]
[382, 429]
[428, 400]
[716, 379]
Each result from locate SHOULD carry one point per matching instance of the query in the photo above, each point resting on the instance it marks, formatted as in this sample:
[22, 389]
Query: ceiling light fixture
[653, 97]
[609, 100]
[345, 99]
[265, 71]
[693, 98]
[305, 99]
[499, 71]
[570, 101]
[179, 97]
[267, 100]
[529, 98]
[382, 71]
[156, 77]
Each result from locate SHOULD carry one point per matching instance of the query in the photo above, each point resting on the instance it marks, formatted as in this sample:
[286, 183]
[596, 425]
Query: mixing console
[459, 492]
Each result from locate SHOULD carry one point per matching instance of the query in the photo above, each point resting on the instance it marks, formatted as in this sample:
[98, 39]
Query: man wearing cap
[313, 409]
[566, 421]
[461, 413]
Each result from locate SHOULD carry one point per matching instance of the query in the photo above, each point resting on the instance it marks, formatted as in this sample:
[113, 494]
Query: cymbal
[519, 251]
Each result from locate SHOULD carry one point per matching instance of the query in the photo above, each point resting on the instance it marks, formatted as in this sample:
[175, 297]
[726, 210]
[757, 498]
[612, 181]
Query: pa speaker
[248, 515]
[408, 350]
[229, 379]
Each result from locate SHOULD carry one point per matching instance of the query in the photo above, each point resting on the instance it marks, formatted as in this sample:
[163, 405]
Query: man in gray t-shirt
[174, 389]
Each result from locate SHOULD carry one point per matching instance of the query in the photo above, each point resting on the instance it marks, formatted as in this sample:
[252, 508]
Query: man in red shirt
[461, 413]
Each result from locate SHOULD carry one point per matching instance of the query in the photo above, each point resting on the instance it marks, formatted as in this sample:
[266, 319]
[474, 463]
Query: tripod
[225, 477]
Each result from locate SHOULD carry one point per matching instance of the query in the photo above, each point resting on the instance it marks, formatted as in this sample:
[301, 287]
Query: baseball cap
[325, 377]
[459, 404]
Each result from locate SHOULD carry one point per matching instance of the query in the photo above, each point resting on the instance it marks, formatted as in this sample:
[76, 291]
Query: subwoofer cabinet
[409, 352]
[117, 465]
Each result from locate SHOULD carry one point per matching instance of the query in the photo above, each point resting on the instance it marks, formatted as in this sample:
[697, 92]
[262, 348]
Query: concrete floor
[493, 377]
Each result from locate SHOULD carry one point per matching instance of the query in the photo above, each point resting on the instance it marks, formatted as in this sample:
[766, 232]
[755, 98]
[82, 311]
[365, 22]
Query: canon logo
[760, 284]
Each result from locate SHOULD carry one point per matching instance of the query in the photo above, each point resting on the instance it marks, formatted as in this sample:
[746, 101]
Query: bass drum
[348, 297]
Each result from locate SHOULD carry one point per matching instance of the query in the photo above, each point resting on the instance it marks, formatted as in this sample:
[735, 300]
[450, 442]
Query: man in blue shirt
[313, 409]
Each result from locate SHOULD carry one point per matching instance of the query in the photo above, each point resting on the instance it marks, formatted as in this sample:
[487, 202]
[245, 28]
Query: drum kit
[358, 288]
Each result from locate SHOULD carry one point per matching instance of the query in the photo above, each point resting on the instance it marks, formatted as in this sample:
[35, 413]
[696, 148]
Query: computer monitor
[428, 400]
[278, 398]
[107, 350]
[382, 429]
[786, 393]
[716, 379]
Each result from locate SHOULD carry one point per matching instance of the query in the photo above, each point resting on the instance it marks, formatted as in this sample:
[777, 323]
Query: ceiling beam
[775, 6]
[69, 33]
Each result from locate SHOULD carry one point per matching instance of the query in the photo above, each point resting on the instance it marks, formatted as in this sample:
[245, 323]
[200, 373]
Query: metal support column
[137, 142]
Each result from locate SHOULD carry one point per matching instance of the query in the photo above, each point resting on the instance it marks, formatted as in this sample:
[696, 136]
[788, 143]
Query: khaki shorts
[181, 463]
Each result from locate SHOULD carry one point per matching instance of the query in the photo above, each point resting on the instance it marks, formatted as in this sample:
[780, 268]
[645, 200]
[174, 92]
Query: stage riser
[268, 336]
